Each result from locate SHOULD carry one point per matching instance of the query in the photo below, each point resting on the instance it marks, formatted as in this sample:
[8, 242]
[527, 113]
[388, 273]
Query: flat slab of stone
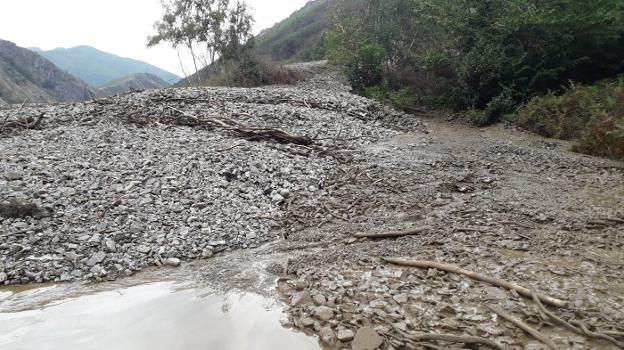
[366, 338]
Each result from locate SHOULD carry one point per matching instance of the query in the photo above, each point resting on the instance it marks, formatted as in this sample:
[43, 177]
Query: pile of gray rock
[114, 197]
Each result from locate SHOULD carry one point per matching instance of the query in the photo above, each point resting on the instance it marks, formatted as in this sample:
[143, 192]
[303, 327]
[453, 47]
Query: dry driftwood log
[21, 123]
[476, 276]
[182, 118]
[390, 234]
[534, 333]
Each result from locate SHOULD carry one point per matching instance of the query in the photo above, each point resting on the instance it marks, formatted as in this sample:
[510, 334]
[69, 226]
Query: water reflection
[151, 316]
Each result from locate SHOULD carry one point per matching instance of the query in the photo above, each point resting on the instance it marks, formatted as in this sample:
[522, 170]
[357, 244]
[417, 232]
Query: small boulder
[320, 299]
[345, 335]
[327, 336]
[300, 298]
[323, 313]
[111, 246]
[96, 258]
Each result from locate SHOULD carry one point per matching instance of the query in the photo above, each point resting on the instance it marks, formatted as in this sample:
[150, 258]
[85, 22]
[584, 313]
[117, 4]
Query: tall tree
[217, 27]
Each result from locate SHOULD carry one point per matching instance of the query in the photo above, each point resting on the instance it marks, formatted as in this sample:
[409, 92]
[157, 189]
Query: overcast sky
[116, 26]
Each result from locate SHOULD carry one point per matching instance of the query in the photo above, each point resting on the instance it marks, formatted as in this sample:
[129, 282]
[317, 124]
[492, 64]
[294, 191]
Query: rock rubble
[123, 190]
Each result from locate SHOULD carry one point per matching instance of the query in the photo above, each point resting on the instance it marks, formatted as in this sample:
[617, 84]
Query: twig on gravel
[534, 333]
[232, 147]
[476, 276]
[467, 229]
[452, 339]
[391, 234]
[332, 213]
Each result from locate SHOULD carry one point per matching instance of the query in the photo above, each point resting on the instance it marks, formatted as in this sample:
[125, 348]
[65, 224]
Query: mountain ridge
[27, 76]
[97, 67]
[138, 81]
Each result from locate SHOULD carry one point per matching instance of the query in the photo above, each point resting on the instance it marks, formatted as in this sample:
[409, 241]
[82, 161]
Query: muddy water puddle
[160, 315]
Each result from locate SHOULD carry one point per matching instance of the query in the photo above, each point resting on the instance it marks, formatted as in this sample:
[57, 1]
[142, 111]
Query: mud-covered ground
[496, 201]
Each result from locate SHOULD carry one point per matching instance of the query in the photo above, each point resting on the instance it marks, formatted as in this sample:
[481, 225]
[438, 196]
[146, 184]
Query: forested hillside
[299, 37]
[489, 58]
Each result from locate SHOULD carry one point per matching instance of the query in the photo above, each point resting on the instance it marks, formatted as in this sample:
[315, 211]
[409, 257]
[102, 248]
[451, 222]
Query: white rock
[111, 246]
[173, 262]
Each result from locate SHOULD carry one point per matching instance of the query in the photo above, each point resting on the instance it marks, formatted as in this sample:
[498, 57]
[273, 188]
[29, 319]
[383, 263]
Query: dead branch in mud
[534, 333]
[452, 339]
[596, 335]
[390, 234]
[476, 276]
[569, 325]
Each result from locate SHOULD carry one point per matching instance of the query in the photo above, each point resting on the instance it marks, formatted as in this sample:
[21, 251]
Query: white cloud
[116, 26]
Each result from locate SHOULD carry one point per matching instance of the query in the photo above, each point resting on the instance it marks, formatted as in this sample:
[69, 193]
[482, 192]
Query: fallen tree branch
[476, 276]
[6, 119]
[534, 333]
[569, 326]
[231, 125]
[596, 335]
[390, 234]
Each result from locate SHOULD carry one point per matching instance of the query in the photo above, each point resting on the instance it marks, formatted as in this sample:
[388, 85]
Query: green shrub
[471, 52]
[251, 71]
[593, 116]
[403, 99]
[366, 69]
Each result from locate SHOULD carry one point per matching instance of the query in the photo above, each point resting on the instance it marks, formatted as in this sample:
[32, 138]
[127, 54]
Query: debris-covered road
[110, 187]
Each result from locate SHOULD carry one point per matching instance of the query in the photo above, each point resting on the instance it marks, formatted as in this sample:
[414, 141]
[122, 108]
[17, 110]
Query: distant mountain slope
[27, 76]
[298, 38]
[140, 81]
[97, 67]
